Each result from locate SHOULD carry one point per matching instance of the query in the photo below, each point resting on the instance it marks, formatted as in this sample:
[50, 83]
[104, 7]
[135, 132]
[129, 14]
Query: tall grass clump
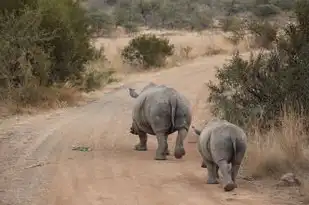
[279, 150]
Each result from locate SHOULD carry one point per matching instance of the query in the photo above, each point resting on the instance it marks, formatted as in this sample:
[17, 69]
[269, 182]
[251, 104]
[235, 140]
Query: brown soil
[38, 165]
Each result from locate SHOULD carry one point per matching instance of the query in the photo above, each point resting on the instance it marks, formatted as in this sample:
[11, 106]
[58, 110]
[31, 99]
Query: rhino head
[134, 94]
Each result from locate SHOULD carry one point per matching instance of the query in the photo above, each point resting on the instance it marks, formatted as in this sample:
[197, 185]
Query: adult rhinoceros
[160, 110]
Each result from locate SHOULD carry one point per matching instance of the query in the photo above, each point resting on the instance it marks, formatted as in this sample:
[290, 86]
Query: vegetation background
[48, 58]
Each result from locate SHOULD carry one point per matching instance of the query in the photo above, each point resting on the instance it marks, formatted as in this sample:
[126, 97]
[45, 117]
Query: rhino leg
[235, 166]
[217, 171]
[162, 147]
[142, 145]
[228, 183]
[212, 172]
[167, 152]
[241, 149]
[179, 149]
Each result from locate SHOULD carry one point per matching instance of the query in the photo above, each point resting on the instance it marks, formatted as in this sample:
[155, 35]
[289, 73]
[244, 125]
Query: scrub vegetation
[49, 57]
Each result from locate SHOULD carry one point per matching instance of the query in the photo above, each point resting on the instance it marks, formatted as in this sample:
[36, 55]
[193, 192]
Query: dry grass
[278, 151]
[188, 46]
[33, 99]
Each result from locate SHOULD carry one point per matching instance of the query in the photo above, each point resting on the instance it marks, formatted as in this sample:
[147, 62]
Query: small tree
[147, 50]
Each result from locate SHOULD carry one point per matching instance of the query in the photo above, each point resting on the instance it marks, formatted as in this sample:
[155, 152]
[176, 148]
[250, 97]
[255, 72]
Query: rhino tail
[198, 132]
[234, 147]
[173, 111]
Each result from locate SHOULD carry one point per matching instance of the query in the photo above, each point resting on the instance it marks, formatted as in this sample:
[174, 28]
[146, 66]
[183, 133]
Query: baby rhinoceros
[221, 143]
[160, 110]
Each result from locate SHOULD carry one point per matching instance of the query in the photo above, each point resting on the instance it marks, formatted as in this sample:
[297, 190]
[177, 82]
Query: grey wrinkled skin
[219, 144]
[160, 110]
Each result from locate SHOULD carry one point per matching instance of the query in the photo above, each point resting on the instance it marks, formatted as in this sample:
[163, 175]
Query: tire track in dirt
[112, 172]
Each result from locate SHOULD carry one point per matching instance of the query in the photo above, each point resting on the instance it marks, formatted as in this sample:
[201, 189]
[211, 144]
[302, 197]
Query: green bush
[22, 59]
[67, 43]
[147, 50]
[94, 76]
[256, 90]
[71, 48]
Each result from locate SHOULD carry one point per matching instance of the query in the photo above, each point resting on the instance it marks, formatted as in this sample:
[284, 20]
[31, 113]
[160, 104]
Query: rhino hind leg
[236, 165]
[228, 183]
[162, 147]
[142, 145]
[167, 152]
[234, 171]
[212, 172]
[179, 149]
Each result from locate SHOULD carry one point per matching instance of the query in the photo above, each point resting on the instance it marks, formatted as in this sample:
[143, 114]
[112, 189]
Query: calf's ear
[132, 93]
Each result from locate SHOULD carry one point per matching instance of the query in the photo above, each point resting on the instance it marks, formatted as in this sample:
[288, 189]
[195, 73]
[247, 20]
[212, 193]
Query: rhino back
[152, 110]
[225, 138]
[209, 138]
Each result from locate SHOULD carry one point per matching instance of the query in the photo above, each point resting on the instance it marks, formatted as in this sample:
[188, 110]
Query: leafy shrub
[147, 50]
[67, 42]
[284, 4]
[22, 59]
[258, 89]
[266, 10]
[43, 44]
[71, 47]
[95, 79]
[231, 23]
[264, 33]
[97, 75]
[101, 23]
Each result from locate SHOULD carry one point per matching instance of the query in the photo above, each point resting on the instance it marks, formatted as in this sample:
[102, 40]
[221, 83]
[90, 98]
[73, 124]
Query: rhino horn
[132, 93]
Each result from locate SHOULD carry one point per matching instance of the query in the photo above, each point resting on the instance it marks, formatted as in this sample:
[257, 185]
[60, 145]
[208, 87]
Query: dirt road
[39, 167]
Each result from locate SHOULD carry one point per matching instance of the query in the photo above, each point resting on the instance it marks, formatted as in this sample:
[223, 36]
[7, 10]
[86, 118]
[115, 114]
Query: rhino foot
[160, 157]
[229, 187]
[140, 147]
[212, 181]
[167, 152]
[179, 153]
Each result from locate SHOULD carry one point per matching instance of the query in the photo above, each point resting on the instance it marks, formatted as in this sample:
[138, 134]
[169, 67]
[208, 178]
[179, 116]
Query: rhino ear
[132, 93]
[198, 132]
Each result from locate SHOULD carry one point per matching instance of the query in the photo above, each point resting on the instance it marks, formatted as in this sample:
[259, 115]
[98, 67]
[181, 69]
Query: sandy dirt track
[39, 167]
